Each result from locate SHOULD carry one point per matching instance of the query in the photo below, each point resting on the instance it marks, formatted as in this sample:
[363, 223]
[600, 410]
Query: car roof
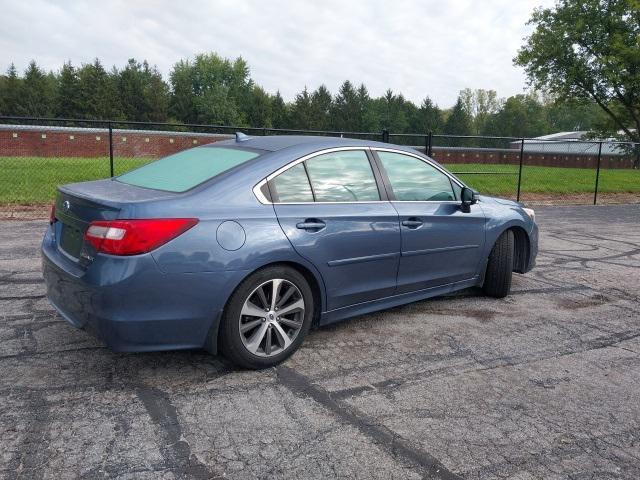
[273, 143]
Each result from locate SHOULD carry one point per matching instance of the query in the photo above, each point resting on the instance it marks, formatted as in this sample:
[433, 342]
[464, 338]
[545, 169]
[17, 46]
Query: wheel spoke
[287, 295]
[263, 298]
[290, 323]
[283, 338]
[245, 327]
[296, 306]
[275, 292]
[252, 310]
[256, 339]
[267, 342]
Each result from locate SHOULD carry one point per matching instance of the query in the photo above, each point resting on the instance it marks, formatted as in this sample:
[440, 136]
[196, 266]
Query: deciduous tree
[589, 49]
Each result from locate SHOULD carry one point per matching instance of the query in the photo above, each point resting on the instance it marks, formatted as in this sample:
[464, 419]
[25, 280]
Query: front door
[440, 243]
[333, 213]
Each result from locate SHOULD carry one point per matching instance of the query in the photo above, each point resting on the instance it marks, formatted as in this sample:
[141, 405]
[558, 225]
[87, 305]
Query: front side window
[343, 176]
[413, 180]
[184, 170]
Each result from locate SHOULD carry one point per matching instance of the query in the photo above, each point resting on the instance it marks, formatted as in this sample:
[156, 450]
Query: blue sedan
[242, 245]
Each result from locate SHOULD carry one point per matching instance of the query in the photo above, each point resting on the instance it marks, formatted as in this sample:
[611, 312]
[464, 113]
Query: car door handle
[311, 224]
[412, 223]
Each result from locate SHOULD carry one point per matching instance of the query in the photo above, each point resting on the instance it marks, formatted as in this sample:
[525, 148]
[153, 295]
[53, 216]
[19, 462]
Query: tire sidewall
[499, 271]
[231, 343]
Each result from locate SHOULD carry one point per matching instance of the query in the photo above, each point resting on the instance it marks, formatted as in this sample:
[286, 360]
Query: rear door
[333, 209]
[440, 243]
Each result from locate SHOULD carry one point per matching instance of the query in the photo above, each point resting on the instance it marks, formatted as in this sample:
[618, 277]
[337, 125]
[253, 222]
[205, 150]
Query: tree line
[209, 89]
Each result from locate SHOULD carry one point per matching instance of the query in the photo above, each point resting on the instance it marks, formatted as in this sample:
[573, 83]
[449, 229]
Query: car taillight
[52, 214]
[132, 237]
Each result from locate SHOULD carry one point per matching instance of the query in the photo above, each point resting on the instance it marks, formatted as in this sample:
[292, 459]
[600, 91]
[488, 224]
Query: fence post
[111, 149]
[595, 191]
[520, 168]
[429, 150]
[385, 135]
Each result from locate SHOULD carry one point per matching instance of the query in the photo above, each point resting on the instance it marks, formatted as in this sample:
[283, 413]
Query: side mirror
[468, 198]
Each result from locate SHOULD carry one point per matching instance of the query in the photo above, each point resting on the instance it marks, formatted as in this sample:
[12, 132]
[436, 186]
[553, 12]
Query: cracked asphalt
[542, 384]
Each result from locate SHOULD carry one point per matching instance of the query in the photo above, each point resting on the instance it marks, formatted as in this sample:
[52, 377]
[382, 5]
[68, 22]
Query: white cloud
[419, 48]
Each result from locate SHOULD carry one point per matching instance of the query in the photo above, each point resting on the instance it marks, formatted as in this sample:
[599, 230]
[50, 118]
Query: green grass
[547, 180]
[28, 180]
[34, 179]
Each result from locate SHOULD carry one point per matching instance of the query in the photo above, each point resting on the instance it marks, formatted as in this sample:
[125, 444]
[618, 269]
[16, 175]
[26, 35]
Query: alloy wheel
[271, 317]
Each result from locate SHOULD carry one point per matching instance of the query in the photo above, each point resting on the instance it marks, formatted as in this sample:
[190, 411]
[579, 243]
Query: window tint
[342, 177]
[414, 180]
[184, 170]
[292, 185]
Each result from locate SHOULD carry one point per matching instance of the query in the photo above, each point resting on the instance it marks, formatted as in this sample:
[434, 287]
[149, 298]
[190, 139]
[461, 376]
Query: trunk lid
[78, 204]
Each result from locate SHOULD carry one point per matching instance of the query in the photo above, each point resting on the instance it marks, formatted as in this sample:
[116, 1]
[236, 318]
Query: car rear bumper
[129, 304]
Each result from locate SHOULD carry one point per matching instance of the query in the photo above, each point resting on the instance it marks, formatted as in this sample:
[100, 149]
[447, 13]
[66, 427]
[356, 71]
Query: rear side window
[184, 170]
[292, 186]
[413, 180]
[344, 176]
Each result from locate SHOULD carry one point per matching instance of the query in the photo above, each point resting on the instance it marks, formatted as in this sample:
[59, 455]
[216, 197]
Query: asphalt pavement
[542, 384]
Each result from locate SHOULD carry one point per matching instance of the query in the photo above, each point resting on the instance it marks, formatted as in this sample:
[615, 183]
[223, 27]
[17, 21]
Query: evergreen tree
[131, 91]
[279, 112]
[301, 112]
[459, 121]
[98, 92]
[259, 113]
[156, 95]
[10, 92]
[68, 99]
[369, 121]
[346, 109]
[38, 90]
[394, 117]
[430, 117]
[321, 109]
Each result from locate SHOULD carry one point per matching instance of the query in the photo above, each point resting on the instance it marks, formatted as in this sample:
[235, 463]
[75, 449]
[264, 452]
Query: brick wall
[42, 141]
[31, 141]
[512, 157]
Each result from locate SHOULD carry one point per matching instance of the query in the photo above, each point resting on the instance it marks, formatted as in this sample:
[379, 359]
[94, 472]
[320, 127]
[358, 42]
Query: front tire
[497, 279]
[267, 318]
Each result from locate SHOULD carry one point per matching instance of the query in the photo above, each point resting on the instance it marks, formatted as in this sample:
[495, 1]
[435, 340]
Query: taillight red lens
[133, 237]
[52, 214]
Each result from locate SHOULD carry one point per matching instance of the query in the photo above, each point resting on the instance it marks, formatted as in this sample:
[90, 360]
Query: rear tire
[253, 337]
[497, 279]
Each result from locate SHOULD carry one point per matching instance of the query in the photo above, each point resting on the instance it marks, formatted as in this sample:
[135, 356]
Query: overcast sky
[419, 48]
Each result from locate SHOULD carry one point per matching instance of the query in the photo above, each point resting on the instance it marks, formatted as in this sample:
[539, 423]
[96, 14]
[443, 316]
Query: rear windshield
[184, 170]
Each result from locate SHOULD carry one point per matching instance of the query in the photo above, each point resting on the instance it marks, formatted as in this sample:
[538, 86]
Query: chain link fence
[38, 154]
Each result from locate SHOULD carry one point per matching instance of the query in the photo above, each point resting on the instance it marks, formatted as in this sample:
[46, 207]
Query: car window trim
[367, 151]
[387, 182]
